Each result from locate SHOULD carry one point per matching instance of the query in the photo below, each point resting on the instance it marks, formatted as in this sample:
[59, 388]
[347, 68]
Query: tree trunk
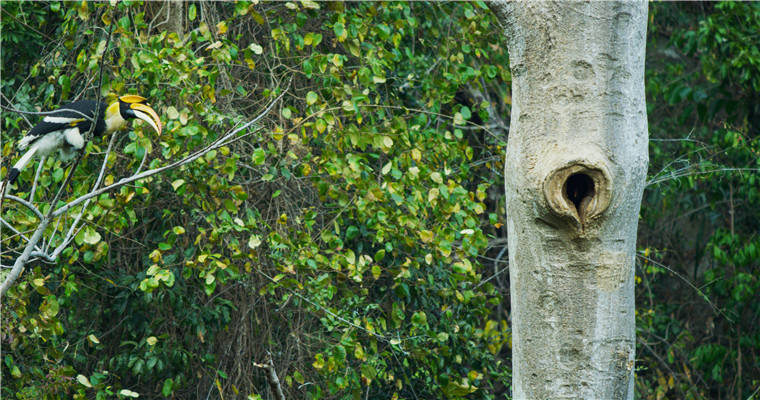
[575, 171]
[168, 15]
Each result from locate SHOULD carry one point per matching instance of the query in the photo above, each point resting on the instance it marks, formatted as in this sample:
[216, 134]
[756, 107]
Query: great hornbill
[64, 129]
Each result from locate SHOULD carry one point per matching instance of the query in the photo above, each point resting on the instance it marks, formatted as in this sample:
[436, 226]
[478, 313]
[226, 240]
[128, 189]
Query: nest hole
[578, 186]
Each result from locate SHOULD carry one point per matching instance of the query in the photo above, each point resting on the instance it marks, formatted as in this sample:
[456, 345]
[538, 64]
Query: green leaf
[256, 48]
[320, 124]
[172, 112]
[354, 48]
[191, 12]
[259, 156]
[176, 184]
[319, 361]
[50, 306]
[419, 318]
[466, 113]
[153, 270]
[311, 98]
[352, 232]
[310, 4]
[209, 288]
[91, 236]
[340, 31]
[129, 393]
[58, 175]
[84, 381]
[167, 388]
[168, 278]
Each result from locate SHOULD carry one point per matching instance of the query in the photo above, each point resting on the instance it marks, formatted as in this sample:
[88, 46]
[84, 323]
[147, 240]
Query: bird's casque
[64, 129]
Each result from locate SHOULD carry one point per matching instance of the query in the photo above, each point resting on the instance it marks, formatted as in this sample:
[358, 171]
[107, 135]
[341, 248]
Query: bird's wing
[76, 114]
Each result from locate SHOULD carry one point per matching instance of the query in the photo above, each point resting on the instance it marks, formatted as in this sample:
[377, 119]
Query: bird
[64, 129]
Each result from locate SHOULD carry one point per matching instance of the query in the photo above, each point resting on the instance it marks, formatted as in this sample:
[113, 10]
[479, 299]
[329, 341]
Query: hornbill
[64, 129]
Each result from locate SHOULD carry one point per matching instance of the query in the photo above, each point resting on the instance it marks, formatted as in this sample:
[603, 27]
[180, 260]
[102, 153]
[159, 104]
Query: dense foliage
[355, 234]
[699, 293]
[341, 235]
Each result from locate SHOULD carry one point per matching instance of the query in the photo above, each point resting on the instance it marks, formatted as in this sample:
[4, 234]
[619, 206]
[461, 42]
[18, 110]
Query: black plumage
[81, 108]
[64, 130]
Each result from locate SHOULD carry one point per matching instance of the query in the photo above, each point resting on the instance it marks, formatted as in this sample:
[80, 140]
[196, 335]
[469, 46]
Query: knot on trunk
[579, 191]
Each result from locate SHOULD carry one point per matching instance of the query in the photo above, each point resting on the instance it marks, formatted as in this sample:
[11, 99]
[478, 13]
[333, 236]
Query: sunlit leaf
[84, 381]
[256, 48]
[129, 393]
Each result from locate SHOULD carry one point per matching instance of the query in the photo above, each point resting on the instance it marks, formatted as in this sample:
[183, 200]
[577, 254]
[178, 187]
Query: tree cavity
[578, 191]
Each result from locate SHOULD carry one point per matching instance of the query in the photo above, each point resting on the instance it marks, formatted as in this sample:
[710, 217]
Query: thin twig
[2, 96]
[9, 226]
[664, 364]
[332, 314]
[142, 162]
[56, 111]
[495, 266]
[700, 292]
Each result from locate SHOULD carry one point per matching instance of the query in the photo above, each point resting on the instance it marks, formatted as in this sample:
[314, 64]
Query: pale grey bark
[176, 13]
[168, 15]
[575, 172]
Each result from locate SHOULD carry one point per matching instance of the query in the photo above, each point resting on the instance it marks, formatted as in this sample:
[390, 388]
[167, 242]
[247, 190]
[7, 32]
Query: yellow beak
[148, 115]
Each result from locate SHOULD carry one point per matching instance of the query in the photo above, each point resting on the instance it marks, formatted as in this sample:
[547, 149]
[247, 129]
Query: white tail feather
[21, 163]
[19, 166]
[25, 141]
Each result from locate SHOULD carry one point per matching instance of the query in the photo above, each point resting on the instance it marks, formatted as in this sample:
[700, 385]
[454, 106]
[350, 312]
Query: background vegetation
[356, 234]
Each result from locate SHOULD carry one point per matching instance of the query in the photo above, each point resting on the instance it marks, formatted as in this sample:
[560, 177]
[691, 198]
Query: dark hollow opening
[577, 187]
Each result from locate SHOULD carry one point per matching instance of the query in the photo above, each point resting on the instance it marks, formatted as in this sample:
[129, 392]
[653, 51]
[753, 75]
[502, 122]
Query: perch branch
[274, 381]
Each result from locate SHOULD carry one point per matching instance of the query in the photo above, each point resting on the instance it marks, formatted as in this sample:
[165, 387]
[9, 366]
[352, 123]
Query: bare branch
[25, 203]
[37, 177]
[71, 234]
[9, 226]
[274, 381]
[20, 262]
